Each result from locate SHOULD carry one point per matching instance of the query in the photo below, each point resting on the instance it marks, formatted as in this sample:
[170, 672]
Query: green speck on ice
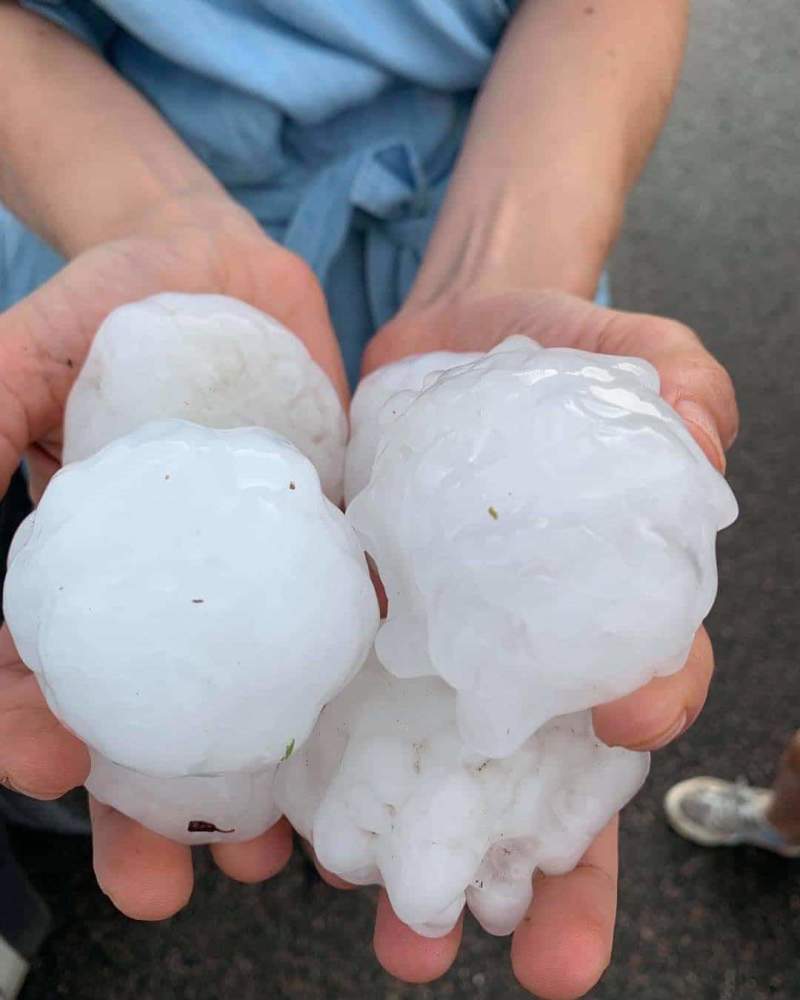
[289, 750]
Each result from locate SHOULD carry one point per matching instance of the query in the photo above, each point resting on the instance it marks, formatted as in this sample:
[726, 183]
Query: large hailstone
[189, 600]
[387, 793]
[210, 359]
[373, 407]
[544, 526]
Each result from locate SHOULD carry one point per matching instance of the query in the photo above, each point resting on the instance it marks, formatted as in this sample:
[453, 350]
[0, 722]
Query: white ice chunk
[544, 526]
[193, 809]
[379, 398]
[387, 793]
[214, 361]
[189, 600]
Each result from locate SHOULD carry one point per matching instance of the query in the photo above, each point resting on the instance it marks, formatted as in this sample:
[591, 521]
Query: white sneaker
[715, 813]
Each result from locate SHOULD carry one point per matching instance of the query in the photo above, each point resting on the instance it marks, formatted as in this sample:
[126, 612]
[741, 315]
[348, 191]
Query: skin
[566, 118]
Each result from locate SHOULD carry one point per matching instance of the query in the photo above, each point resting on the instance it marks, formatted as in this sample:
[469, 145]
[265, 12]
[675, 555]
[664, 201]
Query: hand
[199, 245]
[563, 945]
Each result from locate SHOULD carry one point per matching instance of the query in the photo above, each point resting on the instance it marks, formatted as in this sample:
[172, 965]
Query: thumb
[36, 371]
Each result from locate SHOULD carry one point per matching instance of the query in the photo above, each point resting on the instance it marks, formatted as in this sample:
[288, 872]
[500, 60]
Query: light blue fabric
[335, 122]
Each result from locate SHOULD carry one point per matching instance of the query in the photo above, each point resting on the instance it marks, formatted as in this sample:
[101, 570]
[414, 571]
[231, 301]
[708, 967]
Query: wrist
[208, 209]
[510, 237]
[150, 212]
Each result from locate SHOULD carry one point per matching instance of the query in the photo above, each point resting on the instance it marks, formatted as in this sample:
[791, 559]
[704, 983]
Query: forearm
[82, 154]
[573, 104]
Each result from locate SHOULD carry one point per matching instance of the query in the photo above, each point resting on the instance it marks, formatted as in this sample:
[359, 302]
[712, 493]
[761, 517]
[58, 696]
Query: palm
[564, 943]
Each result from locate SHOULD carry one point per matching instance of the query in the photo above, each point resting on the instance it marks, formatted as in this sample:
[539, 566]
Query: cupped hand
[563, 944]
[198, 245]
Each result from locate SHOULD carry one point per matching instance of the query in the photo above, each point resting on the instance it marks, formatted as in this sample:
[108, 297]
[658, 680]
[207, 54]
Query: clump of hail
[214, 361]
[544, 526]
[388, 793]
[187, 596]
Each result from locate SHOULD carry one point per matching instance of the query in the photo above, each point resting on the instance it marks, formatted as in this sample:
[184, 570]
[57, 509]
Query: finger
[328, 877]
[258, 859]
[38, 757]
[145, 876]
[563, 945]
[409, 956]
[658, 713]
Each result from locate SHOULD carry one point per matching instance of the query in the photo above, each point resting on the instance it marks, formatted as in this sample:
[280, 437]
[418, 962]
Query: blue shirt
[335, 122]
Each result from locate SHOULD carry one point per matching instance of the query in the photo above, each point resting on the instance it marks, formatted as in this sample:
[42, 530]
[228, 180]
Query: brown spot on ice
[198, 600]
[292, 486]
[201, 826]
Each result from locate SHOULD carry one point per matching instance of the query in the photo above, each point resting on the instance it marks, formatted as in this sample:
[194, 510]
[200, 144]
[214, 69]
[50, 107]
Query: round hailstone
[387, 793]
[544, 526]
[194, 809]
[212, 360]
[189, 600]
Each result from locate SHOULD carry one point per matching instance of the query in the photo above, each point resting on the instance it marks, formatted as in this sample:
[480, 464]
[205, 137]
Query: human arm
[92, 168]
[573, 105]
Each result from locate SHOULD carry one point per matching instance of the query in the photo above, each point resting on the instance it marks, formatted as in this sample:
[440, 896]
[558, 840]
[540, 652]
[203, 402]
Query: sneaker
[715, 813]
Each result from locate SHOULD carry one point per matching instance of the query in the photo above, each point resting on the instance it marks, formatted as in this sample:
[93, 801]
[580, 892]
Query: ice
[544, 526]
[189, 600]
[234, 806]
[214, 361]
[387, 793]
[369, 412]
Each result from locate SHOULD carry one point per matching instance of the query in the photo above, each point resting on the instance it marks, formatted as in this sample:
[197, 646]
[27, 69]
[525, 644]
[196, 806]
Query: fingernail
[699, 419]
[672, 733]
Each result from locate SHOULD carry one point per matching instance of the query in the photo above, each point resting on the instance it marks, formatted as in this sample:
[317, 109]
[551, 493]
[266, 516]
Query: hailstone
[210, 359]
[387, 792]
[544, 526]
[189, 600]
[369, 412]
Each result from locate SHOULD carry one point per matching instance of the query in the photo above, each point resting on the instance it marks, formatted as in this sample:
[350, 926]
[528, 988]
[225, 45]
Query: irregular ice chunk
[387, 793]
[189, 600]
[369, 412]
[212, 360]
[544, 526]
